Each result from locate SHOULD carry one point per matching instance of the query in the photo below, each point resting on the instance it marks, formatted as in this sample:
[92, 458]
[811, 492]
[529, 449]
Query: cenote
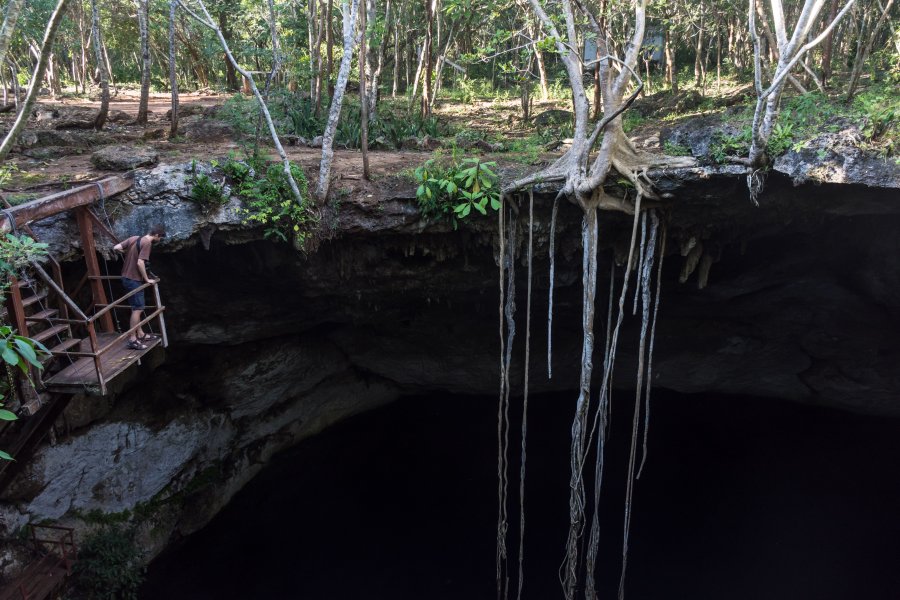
[742, 498]
[324, 424]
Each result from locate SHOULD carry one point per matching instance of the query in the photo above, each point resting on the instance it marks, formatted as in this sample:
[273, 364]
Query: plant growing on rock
[453, 192]
[109, 564]
[269, 201]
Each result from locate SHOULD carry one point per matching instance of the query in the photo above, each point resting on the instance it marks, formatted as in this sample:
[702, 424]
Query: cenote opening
[741, 498]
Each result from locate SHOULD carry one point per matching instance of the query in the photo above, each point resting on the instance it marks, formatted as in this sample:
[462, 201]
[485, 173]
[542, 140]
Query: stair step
[32, 299]
[66, 345]
[45, 335]
[43, 315]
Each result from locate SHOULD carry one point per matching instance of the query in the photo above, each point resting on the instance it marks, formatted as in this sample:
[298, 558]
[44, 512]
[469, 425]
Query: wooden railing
[90, 323]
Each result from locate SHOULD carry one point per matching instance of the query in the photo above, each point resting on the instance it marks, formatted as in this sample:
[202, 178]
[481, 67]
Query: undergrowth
[109, 564]
[269, 200]
[452, 191]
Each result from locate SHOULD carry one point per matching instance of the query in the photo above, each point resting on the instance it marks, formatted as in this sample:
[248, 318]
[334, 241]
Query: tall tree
[143, 14]
[36, 77]
[790, 51]
[173, 74]
[206, 20]
[13, 9]
[96, 38]
[350, 12]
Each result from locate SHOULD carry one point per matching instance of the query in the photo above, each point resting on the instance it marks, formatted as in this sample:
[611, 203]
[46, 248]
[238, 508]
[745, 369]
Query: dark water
[741, 499]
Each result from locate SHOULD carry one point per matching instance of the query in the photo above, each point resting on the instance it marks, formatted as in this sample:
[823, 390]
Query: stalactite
[553, 215]
[645, 274]
[662, 255]
[525, 394]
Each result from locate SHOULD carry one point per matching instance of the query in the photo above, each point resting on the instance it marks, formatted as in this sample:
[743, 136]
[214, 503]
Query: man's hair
[159, 230]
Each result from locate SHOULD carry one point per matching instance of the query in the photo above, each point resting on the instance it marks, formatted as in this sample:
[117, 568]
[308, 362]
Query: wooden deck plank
[40, 581]
[81, 376]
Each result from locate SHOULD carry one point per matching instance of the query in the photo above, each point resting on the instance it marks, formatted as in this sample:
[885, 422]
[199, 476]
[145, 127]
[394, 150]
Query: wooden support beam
[63, 201]
[86, 228]
[14, 309]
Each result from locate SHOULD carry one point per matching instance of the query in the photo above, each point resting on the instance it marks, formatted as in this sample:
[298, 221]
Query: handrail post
[86, 229]
[92, 333]
[161, 318]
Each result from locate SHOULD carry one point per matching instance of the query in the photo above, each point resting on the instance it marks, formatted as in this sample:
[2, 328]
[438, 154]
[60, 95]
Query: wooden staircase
[86, 353]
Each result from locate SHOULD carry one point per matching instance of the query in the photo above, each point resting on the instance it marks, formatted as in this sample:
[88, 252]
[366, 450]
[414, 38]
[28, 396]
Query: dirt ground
[34, 176]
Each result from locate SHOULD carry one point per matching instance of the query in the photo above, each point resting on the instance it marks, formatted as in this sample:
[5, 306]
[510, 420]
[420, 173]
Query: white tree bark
[13, 9]
[100, 121]
[790, 52]
[143, 14]
[36, 78]
[350, 13]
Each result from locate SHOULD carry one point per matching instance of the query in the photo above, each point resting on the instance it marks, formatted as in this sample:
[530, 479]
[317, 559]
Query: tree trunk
[828, 44]
[671, 73]
[207, 21]
[428, 71]
[698, 56]
[350, 13]
[100, 121]
[395, 84]
[231, 80]
[36, 79]
[861, 58]
[13, 9]
[329, 40]
[542, 70]
[311, 36]
[363, 98]
[143, 10]
[173, 75]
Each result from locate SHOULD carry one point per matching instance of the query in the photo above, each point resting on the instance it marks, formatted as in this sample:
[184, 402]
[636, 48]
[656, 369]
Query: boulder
[124, 158]
[187, 110]
[205, 130]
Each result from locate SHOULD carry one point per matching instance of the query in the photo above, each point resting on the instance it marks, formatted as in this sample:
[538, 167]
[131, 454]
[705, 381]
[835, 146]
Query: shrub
[453, 192]
[109, 564]
[205, 192]
[270, 202]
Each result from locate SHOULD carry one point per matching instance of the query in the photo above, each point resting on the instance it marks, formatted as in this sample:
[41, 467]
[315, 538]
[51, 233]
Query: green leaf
[465, 212]
[26, 351]
[6, 456]
[421, 191]
[480, 207]
[10, 356]
[495, 203]
[7, 415]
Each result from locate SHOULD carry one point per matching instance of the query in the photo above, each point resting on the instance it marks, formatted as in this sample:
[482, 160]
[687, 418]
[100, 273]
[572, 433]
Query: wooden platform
[81, 376]
[40, 580]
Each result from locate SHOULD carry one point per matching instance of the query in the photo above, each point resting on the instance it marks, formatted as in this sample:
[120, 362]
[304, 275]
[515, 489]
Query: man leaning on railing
[135, 274]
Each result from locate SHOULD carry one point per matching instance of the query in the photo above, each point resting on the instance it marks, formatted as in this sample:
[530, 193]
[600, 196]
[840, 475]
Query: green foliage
[16, 252]
[109, 564]
[20, 352]
[878, 114]
[673, 149]
[269, 200]
[205, 192]
[724, 145]
[781, 140]
[453, 192]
